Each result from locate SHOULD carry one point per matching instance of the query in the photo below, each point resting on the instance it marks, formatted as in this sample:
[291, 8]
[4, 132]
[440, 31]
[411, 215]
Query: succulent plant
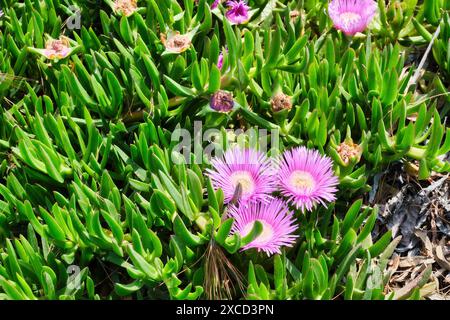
[106, 137]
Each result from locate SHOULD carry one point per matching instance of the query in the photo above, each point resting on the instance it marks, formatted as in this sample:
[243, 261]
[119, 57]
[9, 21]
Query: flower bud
[222, 101]
[398, 19]
[294, 14]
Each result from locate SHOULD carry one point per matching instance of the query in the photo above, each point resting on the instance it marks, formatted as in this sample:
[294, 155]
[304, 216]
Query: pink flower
[237, 12]
[215, 4]
[306, 178]
[176, 42]
[351, 16]
[277, 221]
[247, 168]
[220, 61]
[57, 48]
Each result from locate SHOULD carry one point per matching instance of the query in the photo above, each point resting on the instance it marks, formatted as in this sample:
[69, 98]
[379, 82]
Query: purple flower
[306, 178]
[215, 4]
[237, 12]
[277, 221]
[351, 16]
[220, 61]
[247, 168]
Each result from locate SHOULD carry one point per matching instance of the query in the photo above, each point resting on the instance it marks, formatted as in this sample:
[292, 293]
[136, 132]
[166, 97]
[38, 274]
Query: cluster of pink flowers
[248, 179]
[349, 16]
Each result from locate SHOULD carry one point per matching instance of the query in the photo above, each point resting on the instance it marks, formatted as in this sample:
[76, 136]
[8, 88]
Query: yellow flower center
[245, 180]
[301, 180]
[266, 234]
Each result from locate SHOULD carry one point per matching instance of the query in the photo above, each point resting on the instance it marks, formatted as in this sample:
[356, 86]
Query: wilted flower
[277, 221]
[281, 101]
[306, 178]
[237, 12]
[294, 14]
[222, 101]
[348, 150]
[176, 42]
[125, 7]
[56, 49]
[243, 174]
[351, 16]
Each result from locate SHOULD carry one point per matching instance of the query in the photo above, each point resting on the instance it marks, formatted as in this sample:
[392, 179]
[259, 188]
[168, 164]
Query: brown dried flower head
[125, 7]
[281, 101]
[349, 150]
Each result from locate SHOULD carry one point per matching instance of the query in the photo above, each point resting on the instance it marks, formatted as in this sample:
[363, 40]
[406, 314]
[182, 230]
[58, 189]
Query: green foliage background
[86, 173]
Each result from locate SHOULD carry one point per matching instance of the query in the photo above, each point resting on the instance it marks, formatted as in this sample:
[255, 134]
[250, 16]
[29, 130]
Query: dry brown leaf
[419, 281]
[426, 241]
[440, 258]
[409, 262]
[394, 263]
[438, 296]
[429, 289]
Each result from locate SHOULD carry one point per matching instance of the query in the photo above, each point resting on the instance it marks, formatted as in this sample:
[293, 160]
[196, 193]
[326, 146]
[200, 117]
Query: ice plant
[55, 49]
[215, 4]
[349, 151]
[306, 178]
[222, 101]
[176, 42]
[237, 12]
[125, 7]
[243, 174]
[278, 225]
[351, 16]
